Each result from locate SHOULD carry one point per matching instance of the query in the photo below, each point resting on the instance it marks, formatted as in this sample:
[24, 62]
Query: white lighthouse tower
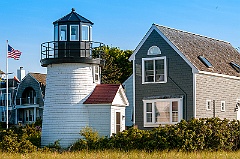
[72, 74]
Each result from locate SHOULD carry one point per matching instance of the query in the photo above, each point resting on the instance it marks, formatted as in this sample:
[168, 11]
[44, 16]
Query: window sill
[154, 82]
[157, 125]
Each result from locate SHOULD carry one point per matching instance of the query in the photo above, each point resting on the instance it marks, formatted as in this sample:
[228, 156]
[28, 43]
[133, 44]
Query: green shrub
[194, 135]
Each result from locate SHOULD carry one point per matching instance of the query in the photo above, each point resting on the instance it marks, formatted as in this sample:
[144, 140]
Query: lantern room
[72, 42]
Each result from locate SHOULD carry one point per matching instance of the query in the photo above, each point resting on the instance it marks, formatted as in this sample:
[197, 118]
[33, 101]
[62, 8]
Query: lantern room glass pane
[85, 32]
[74, 33]
[55, 33]
[63, 32]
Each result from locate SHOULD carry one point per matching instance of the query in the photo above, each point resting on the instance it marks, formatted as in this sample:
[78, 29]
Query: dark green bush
[194, 135]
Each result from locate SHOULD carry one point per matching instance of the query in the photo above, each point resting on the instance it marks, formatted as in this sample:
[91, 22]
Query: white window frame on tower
[85, 35]
[76, 37]
[96, 74]
[60, 32]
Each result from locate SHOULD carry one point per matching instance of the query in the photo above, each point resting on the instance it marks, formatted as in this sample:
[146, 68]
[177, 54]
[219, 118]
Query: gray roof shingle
[219, 53]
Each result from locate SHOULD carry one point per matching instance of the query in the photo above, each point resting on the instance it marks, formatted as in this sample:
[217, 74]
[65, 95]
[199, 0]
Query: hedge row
[194, 135]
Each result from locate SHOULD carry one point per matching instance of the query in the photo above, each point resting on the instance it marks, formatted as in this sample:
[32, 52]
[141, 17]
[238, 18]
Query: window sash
[162, 111]
[222, 106]
[154, 70]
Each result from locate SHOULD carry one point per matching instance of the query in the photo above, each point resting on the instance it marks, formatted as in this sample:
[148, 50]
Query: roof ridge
[192, 33]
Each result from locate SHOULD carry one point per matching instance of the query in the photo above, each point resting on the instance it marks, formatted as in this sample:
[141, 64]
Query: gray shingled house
[180, 75]
[30, 98]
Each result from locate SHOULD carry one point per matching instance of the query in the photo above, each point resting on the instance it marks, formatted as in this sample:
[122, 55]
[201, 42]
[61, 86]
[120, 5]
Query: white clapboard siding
[99, 118]
[128, 86]
[64, 115]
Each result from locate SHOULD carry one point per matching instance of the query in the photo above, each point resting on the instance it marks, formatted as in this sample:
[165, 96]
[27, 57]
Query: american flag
[13, 53]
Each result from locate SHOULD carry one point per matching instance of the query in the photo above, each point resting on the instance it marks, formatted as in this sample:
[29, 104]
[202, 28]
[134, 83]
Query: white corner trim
[194, 96]
[219, 75]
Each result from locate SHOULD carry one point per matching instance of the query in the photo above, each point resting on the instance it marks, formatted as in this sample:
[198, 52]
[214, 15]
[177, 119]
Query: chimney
[20, 73]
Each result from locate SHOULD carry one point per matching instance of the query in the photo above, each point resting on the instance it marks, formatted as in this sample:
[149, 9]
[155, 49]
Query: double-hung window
[154, 70]
[162, 111]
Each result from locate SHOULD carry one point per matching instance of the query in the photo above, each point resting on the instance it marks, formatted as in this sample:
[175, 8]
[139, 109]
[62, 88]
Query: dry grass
[123, 155]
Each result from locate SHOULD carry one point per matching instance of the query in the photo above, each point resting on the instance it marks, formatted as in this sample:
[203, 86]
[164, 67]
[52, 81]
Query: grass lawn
[122, 155]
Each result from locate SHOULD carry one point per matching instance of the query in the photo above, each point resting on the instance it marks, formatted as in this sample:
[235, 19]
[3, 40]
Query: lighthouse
[74, 95]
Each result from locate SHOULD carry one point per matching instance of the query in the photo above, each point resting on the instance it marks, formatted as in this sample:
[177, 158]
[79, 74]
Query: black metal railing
[75, 49]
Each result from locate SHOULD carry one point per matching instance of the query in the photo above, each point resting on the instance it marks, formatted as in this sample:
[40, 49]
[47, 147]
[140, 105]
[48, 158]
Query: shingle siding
[218, 89]
[179, 81]
[29, 81]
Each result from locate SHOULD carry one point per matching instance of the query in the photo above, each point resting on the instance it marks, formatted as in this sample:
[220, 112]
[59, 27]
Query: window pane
[149, 71]
[175, 111]
[175, 117]
[149, 117]
[159, 66]
[63, 32]
[85, 33]
[175, 106]
[149, 107]
[162, 113]
[55, 33]
[74, 32]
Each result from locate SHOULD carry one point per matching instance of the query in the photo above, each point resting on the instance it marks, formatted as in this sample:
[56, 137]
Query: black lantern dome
[72, 42]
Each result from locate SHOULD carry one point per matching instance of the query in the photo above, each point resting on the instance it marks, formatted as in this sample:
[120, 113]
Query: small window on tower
[63, 32]
[74, 32]
[96, 74]
[85, 32]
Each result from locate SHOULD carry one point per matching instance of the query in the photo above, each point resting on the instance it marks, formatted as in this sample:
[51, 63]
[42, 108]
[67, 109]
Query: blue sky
[118, 23]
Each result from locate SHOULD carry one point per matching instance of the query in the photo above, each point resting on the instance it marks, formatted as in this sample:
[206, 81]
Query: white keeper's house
[74, 95]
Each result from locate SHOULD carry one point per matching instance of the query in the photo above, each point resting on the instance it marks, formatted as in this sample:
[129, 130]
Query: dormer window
[63, 33]
[74, 32]
[154, 50]
[85, 33]
[205, 61]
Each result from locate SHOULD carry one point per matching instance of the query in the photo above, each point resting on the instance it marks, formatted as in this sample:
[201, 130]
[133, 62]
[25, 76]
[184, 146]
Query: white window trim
[223, 108]
[77, 32]
[208, 101]
[59, 35]
[82, 32]
[165, 69]
[94, 73]
[154, 53]
[153, 124]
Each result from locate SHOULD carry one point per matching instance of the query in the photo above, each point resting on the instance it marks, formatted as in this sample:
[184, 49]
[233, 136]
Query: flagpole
[7, 82]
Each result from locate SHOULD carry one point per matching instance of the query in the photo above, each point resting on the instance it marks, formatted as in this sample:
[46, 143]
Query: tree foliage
[117, 68]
